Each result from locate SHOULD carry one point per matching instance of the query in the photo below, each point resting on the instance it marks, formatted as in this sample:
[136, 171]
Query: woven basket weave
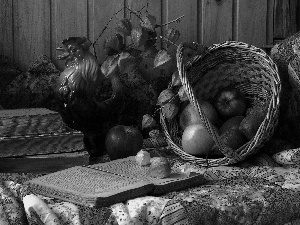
[245, 67]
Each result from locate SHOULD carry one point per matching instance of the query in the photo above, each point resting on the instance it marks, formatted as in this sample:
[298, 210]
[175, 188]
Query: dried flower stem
[167, 40]
[176, 20]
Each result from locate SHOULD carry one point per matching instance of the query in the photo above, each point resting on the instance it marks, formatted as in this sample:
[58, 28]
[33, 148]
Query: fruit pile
[235, 118]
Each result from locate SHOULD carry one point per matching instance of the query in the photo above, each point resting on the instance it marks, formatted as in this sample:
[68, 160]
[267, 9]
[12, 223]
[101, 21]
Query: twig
[176, 20]
[106, 26]
[134, 13]
[167, 40]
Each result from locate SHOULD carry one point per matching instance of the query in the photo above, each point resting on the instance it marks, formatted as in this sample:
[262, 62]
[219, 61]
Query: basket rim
[230, 156]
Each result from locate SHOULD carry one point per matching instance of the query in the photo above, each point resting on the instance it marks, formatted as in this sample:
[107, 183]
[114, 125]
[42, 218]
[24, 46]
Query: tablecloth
[257, 191]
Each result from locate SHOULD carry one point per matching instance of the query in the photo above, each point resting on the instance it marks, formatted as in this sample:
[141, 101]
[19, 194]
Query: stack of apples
[230, 113]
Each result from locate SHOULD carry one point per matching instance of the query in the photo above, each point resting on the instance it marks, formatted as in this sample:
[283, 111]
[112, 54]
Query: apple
[189, 114]
[123, 141]
[196, 140]
[230, 102]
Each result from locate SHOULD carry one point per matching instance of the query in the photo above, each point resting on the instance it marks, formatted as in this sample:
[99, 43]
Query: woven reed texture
[229, 64]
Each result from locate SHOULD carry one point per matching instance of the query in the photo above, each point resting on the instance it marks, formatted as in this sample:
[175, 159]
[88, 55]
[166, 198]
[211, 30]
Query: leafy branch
[147, 20]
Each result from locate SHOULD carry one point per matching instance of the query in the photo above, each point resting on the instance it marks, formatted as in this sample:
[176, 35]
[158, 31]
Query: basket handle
[228, 152]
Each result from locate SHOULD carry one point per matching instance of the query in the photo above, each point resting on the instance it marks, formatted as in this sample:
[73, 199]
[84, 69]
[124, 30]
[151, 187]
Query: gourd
[34, 205]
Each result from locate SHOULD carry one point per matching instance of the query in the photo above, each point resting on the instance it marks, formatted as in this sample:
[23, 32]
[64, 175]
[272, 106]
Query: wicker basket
[247, 68]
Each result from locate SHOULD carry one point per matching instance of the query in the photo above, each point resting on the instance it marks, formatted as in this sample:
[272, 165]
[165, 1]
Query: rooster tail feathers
[91, 69]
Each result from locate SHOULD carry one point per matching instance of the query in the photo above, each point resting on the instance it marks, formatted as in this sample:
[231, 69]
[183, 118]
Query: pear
[252, 121]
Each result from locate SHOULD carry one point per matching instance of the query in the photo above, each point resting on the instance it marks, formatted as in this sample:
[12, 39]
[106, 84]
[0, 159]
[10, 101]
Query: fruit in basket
[252, 121]
[123, 141]
[189, 114]
[170, 110]
[233, 138]
[196, 140]
[159, 167]
[232, 123]
[230, 102]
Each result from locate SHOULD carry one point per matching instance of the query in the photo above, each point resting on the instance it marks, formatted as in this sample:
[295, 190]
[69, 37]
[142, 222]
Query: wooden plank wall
[286, 18]
[30, 28]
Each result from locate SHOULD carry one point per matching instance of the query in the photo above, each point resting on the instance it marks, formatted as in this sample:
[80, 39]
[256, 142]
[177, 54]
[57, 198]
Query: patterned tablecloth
[257, 191]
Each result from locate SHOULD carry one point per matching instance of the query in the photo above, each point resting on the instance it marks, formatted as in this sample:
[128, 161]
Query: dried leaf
[124, 27]
[165, 96]
[134, 52]
[113, 44]
[149, 53]
[172, 35]
[192, 49]
[139, 36]
[148, 122]
[110, 66]
[170, 110]
[188, 54]
[182, 94]
[152, 39]
[176, 79]
[126, 62]
[148, 22]
[162, 58]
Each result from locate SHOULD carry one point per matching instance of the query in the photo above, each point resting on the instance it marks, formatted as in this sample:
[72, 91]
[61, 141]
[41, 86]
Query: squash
[36, 207]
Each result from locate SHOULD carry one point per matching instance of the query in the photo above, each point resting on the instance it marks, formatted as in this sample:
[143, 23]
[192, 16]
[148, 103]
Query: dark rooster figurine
[75, 93]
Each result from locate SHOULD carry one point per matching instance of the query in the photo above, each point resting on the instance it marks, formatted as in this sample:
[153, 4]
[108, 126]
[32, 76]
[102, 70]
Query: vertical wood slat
[285, 18]
[188, 25]
[6, 28]
[31, 31]
[99, 14]
[217, 21]
[298, 15]
[30, 28]
[270, 22]
[252, 22]
[69, 18]
[235, 20]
